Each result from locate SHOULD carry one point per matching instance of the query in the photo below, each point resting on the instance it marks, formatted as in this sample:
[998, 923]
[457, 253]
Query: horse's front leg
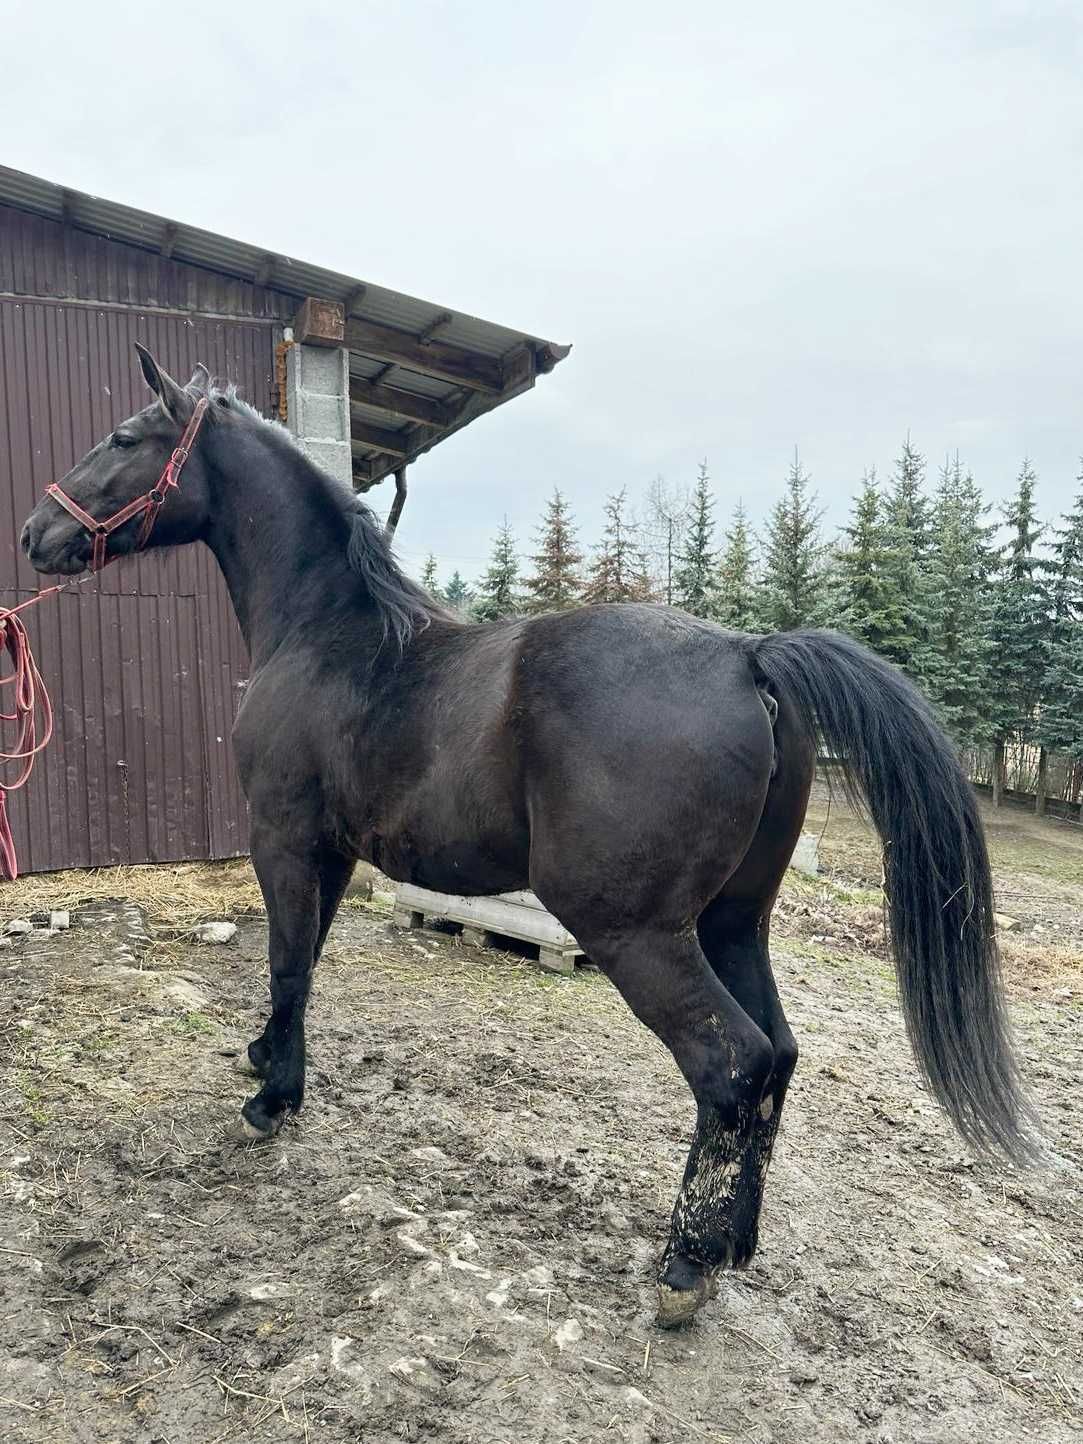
[301, 888]
[335, 871]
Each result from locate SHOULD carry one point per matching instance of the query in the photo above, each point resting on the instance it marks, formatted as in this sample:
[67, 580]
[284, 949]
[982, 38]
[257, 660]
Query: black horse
[646, 773]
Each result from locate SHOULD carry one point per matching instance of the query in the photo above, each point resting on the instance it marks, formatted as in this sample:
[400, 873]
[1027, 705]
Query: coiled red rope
[32, 713]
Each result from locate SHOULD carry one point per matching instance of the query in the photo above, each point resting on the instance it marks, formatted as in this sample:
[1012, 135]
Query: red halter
[150, 503]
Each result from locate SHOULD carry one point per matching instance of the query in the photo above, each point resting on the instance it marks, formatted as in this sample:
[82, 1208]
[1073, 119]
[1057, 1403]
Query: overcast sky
[819, 225]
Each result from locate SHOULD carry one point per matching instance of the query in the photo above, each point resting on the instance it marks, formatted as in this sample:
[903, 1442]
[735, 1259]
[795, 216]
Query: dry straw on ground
[175, 896]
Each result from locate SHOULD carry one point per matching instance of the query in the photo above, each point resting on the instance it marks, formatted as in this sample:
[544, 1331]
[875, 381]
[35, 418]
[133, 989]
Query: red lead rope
[30, 706]
[30, 700]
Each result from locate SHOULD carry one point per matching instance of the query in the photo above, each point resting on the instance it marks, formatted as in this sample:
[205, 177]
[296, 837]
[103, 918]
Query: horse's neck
[280, 545]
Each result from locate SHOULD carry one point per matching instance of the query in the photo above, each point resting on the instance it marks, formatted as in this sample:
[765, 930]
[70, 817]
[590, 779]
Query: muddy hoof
[257, 1126]
[242, 1063]
[683, 1289]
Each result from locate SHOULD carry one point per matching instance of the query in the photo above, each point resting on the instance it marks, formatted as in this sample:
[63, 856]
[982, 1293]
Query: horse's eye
[121, 438]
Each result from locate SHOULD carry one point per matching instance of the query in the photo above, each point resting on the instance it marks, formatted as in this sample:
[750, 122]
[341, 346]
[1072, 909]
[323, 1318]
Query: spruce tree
[868, 606]
[735, 584]
[457, 594]
[428, 576]
[959, 567]
[694, 578]
[791, 591]
[1061, 724]
[556, 581]
[1020, 627]
[497, 591]
[906, 517]
[618, 571]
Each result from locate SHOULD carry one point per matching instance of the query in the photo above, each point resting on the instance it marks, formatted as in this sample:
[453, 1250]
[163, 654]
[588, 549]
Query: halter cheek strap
[149, 504]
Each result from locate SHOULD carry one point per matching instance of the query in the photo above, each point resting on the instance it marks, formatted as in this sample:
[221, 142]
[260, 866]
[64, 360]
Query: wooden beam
[434, 358]
[437, 323]
[368, 470]
[364, 438]
[169, 239]
[319, 323]
[400, 403]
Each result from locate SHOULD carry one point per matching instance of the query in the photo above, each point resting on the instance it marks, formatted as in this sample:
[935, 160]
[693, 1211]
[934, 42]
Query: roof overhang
[418, 371]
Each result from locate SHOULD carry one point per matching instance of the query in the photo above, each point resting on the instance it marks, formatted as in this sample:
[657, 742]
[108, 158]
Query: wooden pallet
[483, 919]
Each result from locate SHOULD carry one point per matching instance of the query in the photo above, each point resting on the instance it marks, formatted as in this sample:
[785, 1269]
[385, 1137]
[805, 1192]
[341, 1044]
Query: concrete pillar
[318, 405]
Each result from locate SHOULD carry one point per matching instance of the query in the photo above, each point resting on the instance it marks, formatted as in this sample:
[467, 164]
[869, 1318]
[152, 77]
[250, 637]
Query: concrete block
[332, 456]
[323, 417]
[318, 405]
[325, 368]
[806, 855]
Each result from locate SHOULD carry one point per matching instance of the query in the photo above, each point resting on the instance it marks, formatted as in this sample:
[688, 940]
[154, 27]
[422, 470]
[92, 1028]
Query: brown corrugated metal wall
[144, 665]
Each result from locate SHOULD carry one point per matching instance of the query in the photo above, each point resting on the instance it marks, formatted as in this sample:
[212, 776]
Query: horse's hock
[484, 920]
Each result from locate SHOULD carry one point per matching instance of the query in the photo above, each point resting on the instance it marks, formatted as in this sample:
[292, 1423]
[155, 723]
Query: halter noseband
[150, 503]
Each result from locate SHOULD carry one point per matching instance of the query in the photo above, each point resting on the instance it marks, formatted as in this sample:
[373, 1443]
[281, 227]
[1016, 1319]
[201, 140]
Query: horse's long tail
[936, 872]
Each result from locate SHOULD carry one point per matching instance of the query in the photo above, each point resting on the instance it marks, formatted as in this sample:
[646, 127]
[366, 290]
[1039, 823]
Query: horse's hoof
[242, 1063]
[256, 1126]
[683, 1289]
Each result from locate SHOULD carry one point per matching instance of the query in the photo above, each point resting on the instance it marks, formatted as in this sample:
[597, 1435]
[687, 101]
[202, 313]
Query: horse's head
[125, 466]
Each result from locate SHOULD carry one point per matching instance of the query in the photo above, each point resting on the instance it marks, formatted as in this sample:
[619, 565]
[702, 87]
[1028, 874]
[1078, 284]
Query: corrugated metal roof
[272, 280]
[238, 258]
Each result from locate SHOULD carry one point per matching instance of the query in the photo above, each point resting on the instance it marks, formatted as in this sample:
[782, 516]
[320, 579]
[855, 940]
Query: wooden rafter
[353, 301]
[365, 438]
[399, 402]
[437, 323]
[431, 358]
[368, 470]
[169, 239]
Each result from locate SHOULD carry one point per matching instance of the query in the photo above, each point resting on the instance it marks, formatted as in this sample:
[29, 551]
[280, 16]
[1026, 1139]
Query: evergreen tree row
[991, 630]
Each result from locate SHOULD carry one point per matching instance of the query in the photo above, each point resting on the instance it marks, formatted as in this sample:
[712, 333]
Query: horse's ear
[201, 380]
[174, 399]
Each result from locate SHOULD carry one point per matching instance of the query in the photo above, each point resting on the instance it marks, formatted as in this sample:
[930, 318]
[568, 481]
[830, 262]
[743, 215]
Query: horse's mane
[405, 608]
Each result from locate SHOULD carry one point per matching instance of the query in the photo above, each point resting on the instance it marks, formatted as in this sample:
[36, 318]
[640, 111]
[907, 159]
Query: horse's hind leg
[734, 937]
[733, 932]
[727, 1060]
[301, 901]
[334, 871]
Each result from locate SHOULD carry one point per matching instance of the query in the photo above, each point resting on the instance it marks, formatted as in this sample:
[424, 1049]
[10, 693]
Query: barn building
[146, 665]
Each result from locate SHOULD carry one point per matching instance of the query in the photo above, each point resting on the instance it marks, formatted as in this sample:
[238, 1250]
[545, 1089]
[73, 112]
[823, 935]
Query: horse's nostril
[24, 539]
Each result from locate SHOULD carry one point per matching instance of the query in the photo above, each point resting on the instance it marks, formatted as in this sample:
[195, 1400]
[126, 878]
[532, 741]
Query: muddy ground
[456, 1240]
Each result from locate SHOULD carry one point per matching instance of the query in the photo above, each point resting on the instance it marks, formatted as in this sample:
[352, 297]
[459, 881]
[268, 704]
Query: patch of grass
[192, 1024]
[33, 1099]
[96, 1045]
